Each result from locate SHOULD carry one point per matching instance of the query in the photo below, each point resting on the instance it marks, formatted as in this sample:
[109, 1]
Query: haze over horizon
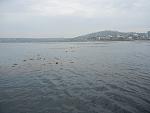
[71, 18]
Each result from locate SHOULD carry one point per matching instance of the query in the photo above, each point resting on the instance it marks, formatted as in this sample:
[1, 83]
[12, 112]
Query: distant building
[99, 38]
[148, 34]
[130, 38]
[136, 35]
[102, 38]
[120, 37]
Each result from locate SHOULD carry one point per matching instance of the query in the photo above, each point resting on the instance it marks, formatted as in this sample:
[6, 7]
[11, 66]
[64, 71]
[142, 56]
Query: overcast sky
[70, 18]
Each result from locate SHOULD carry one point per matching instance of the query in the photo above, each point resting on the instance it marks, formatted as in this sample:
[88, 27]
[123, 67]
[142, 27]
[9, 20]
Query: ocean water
[79, 77]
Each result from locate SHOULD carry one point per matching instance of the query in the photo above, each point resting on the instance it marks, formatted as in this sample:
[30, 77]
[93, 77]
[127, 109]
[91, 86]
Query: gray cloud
[69, 18]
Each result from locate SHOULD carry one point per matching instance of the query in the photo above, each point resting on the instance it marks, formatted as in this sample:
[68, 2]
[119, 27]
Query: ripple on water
[108, 104]
[129, 101]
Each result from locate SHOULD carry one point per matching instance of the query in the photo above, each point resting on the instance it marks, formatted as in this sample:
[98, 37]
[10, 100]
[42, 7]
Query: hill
[111, 35]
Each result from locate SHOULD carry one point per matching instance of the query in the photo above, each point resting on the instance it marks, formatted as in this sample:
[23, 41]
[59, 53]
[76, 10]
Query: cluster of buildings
[148, 34]
[128, 36]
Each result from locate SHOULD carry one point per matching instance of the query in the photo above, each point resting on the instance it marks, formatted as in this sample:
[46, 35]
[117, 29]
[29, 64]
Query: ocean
[75, 77]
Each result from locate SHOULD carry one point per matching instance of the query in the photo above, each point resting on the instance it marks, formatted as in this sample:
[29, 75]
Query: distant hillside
[111, 35]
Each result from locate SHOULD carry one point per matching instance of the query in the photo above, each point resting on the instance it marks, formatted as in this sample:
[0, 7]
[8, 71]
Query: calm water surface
[90, 77]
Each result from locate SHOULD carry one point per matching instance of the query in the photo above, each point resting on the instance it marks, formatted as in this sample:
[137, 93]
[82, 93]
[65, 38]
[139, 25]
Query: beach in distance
[75, 77]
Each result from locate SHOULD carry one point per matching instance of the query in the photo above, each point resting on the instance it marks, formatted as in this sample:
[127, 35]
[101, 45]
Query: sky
[71, 18]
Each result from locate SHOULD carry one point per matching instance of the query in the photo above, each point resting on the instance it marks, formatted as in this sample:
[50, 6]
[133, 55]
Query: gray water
[89, 77]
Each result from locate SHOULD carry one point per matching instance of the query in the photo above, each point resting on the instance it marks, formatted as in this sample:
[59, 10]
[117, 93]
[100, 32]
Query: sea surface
[75, 77]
